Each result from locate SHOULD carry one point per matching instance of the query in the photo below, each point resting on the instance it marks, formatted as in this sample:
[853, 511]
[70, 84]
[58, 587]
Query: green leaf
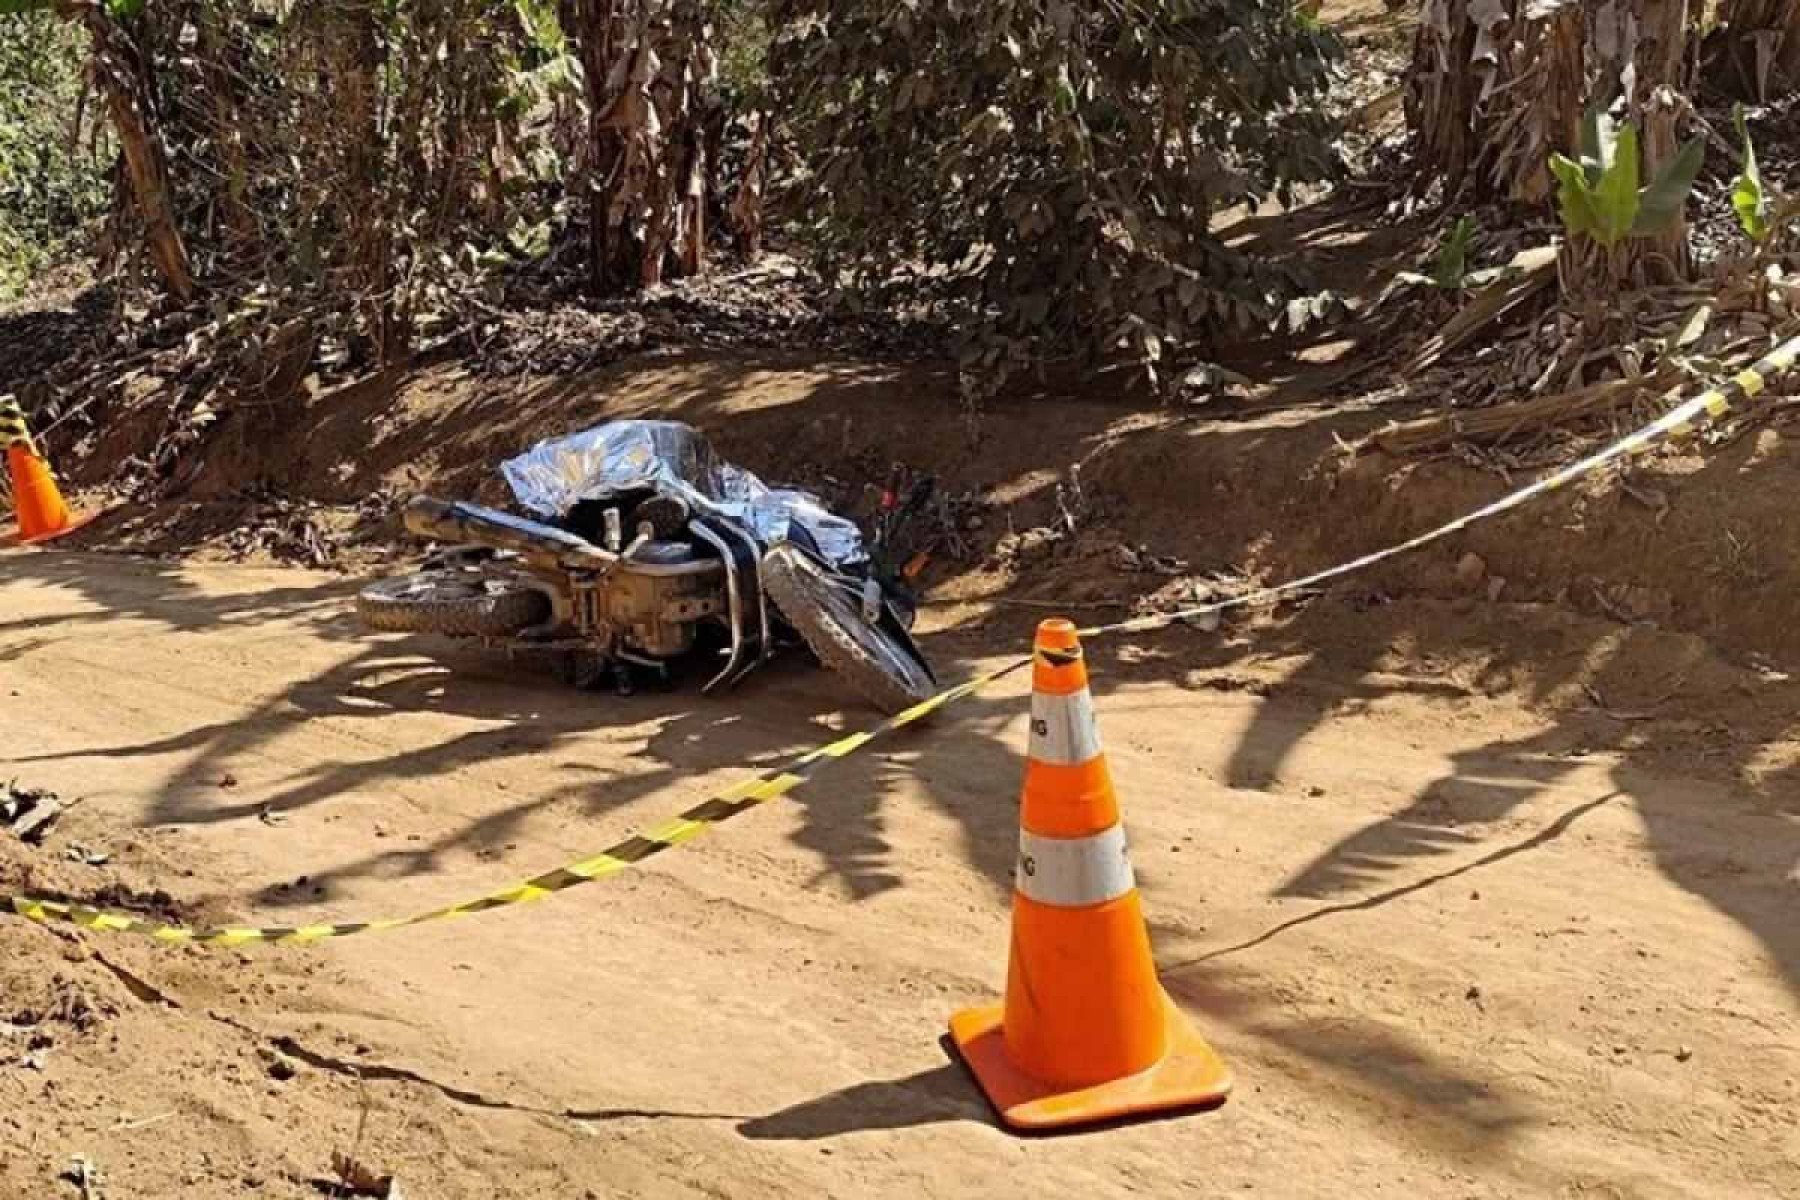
[1663, 201]
[1574, 196]
[1065, 91]
[1453, 256]
[1598, 136]
[121, 10]
[542, 24]
[1616, 195]
[1748, 199]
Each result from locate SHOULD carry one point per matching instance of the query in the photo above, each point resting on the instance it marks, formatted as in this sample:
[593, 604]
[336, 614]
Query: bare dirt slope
[1459, 938]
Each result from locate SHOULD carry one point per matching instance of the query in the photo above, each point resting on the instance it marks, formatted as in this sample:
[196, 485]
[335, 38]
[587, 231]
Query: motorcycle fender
[896, 628]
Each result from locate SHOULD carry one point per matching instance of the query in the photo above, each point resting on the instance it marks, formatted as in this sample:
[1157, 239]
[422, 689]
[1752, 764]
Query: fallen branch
[1501, 423]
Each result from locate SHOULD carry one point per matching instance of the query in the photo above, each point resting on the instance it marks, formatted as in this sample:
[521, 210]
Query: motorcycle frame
[563, 567]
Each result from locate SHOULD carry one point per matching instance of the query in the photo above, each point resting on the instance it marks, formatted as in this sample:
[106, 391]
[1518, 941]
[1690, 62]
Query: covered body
[671, 458]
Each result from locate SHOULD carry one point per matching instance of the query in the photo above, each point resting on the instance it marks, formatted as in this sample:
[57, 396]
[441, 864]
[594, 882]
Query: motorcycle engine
[652, 605]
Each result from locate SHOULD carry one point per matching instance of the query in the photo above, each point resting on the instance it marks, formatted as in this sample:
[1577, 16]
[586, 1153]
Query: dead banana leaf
[1528, 273]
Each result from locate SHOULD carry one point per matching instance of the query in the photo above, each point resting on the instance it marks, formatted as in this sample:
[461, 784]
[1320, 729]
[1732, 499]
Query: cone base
[77, 521]
[1190, 1075]
[10, 537]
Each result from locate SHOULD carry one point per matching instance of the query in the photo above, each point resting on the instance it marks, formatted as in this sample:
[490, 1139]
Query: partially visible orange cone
[1086, 1033]
[41, 512]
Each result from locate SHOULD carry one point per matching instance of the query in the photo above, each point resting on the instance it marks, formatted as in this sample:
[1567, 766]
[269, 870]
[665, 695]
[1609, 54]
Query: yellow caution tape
[1673, 425]
[1676, 423]
[13, 430]
[628, 853]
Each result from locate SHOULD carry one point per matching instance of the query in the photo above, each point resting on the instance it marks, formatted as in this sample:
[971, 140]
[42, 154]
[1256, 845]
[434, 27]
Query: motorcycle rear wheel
[883, 671]
[451, 603]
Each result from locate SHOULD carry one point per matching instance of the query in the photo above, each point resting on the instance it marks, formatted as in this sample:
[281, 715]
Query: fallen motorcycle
[641, 547]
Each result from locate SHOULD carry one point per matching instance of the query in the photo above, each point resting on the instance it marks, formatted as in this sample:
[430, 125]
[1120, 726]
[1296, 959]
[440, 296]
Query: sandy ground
[1453, 946]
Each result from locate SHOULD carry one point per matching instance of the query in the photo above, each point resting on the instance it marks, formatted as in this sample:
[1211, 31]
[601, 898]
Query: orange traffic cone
[41, 511]
[1086, 1033]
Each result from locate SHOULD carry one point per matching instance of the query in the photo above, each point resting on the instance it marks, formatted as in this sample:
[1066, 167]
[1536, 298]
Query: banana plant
[1450, 268]
[1601, 194]
[1762, 212]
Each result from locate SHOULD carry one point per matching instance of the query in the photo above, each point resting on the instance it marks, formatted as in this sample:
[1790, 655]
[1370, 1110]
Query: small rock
[84, 1174]
[360, 1179]
[1474, 993]
[1471, 569]
[1683, 1053]
[1315, 791]
[278, 1065]
[77, 852]
[29, 811]
[1205, 622]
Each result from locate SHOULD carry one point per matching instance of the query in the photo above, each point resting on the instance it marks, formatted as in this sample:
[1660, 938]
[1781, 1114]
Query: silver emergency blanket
[672, 459]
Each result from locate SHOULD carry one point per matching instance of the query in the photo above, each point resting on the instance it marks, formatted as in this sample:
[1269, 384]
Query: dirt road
[1452, 946]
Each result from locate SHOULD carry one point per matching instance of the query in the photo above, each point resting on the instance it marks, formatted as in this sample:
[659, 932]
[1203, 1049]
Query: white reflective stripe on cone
[1063, 730]
[1073, 872]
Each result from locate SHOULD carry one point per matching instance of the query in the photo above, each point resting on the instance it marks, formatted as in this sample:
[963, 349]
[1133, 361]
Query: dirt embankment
[1667, 594]
[1695, 542]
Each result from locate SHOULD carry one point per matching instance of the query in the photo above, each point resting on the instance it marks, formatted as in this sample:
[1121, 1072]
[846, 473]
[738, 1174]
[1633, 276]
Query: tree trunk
[1495, 87]
[1755, 50]
[1657, 103]
[242, 240]
[1442, 92]
[747, 205]
[646, 63]
[121, 75]
[365, 204]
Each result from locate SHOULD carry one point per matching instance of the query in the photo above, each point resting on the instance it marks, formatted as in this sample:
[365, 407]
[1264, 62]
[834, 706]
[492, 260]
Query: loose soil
[1459, 933]
[1480, 868]
[1482, 894]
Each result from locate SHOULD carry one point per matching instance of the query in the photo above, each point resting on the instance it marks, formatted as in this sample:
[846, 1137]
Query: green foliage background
[1052, 167]
[53, 184]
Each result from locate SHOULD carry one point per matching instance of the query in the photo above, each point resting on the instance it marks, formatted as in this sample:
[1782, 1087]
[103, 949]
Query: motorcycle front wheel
[830, 620]
[455, 603]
